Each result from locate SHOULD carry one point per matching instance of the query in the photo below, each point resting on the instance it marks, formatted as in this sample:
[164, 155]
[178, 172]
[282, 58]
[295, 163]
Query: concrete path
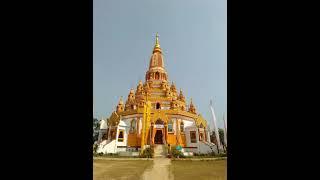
[159, 171]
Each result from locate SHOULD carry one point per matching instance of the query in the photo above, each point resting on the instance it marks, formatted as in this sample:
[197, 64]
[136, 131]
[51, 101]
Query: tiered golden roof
[157, 90]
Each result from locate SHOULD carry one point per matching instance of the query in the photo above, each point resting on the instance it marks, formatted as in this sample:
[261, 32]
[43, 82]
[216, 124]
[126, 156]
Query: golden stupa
[169, 121]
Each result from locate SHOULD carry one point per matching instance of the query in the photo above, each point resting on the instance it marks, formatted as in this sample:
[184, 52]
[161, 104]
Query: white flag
[215, 126]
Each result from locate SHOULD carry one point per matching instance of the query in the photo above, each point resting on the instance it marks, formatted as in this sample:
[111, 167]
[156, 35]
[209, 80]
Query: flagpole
[225, 129]
[215, 127]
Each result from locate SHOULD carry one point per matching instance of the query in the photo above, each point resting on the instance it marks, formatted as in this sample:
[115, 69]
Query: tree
[221, 136]
[96, 127]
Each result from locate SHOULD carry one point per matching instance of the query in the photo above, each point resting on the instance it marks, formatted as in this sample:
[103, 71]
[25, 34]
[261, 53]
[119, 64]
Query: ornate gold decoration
[114, 119]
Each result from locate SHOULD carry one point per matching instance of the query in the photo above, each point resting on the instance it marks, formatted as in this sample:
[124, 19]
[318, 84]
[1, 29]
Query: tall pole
[225, 129]
[215, 126]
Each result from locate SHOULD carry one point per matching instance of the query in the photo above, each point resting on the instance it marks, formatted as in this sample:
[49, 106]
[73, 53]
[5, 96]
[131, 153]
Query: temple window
[170, 126]
[120, 136]
[181, 126]
[133, 126]
[105, 134]
[158, 106]
[193, 137]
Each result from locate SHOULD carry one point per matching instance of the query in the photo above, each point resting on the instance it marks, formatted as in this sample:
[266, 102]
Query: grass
[199, 170]
[129, 170]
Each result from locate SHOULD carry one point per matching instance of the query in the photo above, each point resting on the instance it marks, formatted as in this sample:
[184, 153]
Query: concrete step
[160, 151]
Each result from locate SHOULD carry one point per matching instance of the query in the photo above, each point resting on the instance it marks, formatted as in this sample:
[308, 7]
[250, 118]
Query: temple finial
[157, 40]
[120, 101]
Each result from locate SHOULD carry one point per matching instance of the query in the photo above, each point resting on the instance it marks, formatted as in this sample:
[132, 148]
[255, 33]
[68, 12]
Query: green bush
[95, 154]
[95, 147]
[105, 155]
[111, 154]
[212, 154]
[147, 153]
[176, 153]
[221, 155]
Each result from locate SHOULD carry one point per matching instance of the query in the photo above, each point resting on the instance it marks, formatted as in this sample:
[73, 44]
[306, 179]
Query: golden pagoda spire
[157, 41]
[120, 106]
[120, 101]
[192, 109]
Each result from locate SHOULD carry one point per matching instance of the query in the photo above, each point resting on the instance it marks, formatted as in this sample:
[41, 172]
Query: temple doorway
[158, 138]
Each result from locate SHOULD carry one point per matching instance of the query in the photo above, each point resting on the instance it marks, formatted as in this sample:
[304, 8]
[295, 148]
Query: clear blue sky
[192, 35]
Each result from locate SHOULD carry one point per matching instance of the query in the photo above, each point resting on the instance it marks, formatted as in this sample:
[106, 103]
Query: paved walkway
[159, 170]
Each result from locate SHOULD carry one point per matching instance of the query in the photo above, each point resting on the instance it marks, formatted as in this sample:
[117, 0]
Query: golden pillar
[145, 123]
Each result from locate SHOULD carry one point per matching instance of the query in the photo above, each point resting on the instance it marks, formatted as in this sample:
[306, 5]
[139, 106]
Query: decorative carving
[173, 90]
[174, 104]
[120, 106]
[114, 119]
[163, 85]
[181, 96]
[139, 88]
[146, 87]
[130, 103]
[192, 109]
[168, 92]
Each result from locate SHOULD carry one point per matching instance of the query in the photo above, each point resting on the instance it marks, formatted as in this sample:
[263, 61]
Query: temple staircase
[207, 147]
[160, 151]
[107, 146]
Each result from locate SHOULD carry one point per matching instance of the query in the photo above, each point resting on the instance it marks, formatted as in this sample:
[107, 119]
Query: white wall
[188, 123]
[188, 138]
[107, 147]
[123, 125]
[103, 124]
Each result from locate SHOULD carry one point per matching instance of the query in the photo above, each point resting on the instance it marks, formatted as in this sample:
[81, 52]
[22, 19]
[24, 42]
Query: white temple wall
[188, 138]
[188, 123]
[125, 129]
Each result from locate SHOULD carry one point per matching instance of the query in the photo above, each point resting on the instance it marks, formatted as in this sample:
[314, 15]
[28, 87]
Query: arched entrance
[159, 132]
[158, 137]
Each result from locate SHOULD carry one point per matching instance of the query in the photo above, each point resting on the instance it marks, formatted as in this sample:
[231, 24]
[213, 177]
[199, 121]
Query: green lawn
[199, 170]
[128, 170]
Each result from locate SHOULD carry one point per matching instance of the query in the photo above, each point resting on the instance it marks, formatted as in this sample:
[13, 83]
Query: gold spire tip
[157, 40]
